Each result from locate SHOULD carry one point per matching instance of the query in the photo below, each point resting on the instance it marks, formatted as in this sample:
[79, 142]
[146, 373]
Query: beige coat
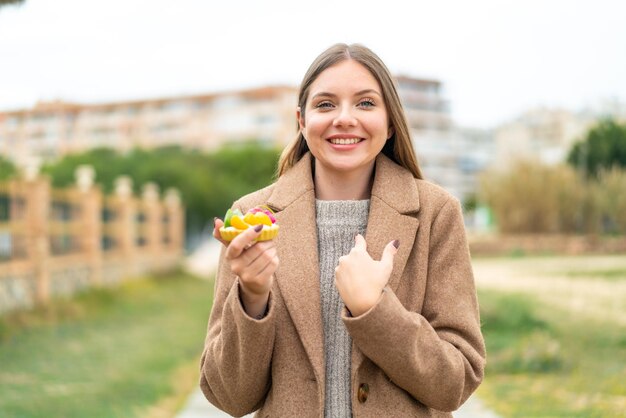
[417, 352]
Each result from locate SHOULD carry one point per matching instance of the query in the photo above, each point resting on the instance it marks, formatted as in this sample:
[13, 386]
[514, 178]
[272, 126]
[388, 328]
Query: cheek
[316, 123]
[379, 125]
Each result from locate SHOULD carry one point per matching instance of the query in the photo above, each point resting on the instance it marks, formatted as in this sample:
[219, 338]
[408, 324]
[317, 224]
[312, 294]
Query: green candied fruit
[229, 214]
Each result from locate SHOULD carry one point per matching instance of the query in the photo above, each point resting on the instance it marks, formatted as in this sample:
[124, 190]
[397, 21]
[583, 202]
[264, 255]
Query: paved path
[202, 263]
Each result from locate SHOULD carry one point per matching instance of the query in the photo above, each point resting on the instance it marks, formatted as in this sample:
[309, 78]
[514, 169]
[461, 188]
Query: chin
[347, 166]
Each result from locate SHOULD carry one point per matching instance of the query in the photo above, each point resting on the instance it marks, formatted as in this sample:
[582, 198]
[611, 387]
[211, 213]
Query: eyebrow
[358, 93]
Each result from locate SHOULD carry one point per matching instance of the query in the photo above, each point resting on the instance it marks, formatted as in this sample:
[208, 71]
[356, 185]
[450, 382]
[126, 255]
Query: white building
[53, 129]
[448, 156]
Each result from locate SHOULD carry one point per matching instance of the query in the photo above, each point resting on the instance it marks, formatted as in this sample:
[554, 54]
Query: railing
[59, 241]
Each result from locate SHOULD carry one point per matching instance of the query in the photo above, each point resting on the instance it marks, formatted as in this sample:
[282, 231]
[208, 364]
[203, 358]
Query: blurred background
[125, 127]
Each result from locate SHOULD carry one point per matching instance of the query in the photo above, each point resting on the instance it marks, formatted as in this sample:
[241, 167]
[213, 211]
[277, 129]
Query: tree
[7, 169]
[603, 147]
[10, 2]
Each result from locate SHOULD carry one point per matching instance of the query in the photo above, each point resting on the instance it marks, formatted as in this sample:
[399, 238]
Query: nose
[345, 117]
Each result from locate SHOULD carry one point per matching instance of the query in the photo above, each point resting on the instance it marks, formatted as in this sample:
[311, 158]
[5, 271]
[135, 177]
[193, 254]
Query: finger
[271, 267]
[389, 252]
[250, 264]
[259, 249]
[238, 244]
[359, 242]
[217, 224]
[266, 264]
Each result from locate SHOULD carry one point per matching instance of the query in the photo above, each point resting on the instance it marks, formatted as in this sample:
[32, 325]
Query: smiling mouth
[345, 141]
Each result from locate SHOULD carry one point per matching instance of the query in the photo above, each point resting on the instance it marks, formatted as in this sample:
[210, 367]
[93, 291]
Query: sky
[495, 58]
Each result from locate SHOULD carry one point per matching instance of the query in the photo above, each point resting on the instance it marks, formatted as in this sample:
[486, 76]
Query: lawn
[547, 357]
[126, 352]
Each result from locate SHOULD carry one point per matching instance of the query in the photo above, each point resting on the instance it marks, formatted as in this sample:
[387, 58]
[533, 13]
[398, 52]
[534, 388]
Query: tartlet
[235, 222]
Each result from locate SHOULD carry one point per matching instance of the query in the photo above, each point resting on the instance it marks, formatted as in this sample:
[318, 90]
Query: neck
[355, 185]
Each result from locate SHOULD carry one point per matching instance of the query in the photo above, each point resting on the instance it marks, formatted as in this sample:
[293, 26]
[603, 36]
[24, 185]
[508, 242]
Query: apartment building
[53, 129]
[448, 156]
[541, 134]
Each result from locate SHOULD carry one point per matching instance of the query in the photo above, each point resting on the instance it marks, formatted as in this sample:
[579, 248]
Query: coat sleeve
[235, 363]
[438, 355]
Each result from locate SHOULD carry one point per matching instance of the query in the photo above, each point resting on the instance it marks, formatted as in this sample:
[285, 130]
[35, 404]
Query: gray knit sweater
[338, 222]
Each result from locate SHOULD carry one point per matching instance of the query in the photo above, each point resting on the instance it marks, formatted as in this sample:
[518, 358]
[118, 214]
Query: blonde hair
[398, 147]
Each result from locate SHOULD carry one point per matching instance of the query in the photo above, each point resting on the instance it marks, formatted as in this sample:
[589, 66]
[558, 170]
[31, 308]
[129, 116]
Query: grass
[607, 274]
[107, 353]
[544, 362]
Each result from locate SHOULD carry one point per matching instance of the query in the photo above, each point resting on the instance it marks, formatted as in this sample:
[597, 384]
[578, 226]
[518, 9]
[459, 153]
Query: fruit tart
[236, 222]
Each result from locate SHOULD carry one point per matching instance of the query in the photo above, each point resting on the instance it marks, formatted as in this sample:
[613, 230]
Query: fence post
[37, 202]
[176, 217]
[91, 220]
[126, 231]
[154, 213]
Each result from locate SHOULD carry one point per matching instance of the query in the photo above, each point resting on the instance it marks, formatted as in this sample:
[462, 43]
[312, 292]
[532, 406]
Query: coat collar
[393, 207]
[392, 184]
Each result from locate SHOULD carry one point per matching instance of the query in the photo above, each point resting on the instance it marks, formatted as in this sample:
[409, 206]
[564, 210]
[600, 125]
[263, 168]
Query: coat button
[363, 392]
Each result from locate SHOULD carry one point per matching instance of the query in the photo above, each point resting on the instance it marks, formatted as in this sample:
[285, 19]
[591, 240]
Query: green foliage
[534, 198]
[520, 342]
[7, 169]
[611, 199]
[208, 183]
[10, 2]
[543, 362]
[603, 147]
[470, 203]
[107, 163]
[531, 197]
[510, 314]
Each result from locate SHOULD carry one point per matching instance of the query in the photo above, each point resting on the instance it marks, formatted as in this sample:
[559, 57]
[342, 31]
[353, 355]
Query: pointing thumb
[389, 252]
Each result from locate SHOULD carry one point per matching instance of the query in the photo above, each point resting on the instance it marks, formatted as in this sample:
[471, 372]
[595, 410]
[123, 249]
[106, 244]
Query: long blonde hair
[398, 147]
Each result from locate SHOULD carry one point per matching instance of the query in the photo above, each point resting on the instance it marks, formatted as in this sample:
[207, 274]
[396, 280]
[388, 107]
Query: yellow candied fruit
[249, 219]
[262, 218]
[238, 223]
[258, 218]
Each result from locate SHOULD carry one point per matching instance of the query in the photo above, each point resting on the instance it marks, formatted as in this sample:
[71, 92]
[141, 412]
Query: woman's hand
[254, 263]
[360, 279]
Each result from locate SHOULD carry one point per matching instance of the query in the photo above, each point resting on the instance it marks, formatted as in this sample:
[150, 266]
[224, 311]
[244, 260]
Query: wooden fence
[56, 242]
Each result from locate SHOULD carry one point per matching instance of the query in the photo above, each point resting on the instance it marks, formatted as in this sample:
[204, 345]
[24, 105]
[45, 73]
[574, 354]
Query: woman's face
[345, 121]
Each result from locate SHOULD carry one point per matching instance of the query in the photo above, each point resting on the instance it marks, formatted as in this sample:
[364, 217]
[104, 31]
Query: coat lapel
[393, 207]
[297, 276]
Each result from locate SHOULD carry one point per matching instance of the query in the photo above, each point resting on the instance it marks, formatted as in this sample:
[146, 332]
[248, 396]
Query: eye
[367, 103]
[323, 105]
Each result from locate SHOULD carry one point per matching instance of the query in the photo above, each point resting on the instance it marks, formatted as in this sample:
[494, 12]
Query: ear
[390, 132]
[300, 117]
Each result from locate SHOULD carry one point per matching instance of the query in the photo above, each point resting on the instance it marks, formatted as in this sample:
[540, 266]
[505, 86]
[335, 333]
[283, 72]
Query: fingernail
[396, 243]
[214, 220]
[258, 228]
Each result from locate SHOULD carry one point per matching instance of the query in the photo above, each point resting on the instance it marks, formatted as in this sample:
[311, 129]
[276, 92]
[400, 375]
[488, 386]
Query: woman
[372, 311]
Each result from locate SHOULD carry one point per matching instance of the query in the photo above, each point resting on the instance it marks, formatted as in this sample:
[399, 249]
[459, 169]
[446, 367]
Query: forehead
[345, 77]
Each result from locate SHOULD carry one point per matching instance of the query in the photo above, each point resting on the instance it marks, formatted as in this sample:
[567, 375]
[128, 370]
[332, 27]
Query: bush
[534, 198]
[611, 200]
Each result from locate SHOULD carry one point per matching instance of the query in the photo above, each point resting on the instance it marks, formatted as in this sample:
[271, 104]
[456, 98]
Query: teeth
[345, 141]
